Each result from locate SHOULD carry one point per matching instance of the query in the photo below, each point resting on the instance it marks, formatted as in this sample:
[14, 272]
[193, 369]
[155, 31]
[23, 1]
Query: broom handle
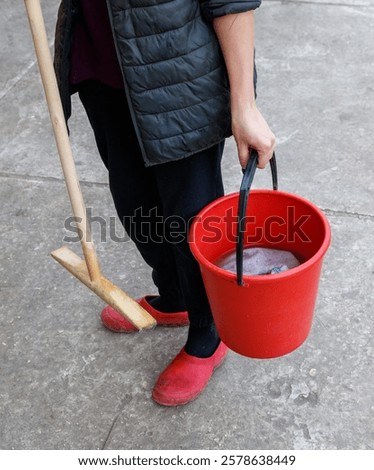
[52, 94]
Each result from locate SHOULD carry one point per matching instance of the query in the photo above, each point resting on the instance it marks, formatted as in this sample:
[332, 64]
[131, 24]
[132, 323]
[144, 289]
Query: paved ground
[67, 383]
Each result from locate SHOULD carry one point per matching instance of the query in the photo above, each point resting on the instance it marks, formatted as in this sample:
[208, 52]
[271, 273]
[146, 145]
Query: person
[164, 83]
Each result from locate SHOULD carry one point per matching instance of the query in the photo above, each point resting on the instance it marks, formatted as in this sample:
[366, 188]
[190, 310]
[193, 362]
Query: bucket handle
[248, 175]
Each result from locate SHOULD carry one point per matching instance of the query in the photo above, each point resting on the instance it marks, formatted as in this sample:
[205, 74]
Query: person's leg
[135, 193]
[185, 187]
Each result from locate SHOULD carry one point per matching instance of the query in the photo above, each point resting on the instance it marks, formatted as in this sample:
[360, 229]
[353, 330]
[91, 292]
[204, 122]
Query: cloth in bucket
[258, 261]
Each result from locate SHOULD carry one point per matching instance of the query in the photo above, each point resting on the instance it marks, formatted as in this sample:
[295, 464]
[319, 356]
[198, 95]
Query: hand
[251, 131]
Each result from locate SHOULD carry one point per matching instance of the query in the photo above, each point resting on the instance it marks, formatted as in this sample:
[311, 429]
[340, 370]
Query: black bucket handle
[248, 175]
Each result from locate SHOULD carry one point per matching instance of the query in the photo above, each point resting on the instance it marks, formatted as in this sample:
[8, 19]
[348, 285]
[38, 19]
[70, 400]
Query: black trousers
[155, 204]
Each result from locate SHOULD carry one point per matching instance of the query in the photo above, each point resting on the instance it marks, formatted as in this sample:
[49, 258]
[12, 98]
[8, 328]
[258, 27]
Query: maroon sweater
[93, 54]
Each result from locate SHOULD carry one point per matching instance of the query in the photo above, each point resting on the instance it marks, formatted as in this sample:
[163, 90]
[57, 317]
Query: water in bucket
[259, 261]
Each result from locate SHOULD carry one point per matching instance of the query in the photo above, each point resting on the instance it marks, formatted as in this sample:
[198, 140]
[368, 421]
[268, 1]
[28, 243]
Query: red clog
[186, 377]
[114, 321]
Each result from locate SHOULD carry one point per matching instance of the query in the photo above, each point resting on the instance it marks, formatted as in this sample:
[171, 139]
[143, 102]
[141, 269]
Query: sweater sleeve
[214, 8]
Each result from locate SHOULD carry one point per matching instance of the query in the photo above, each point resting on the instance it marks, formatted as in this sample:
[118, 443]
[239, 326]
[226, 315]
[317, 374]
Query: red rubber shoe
[186, 377]
[114, 321]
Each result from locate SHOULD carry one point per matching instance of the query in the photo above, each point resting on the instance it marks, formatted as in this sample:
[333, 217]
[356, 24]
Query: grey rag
[257, 261]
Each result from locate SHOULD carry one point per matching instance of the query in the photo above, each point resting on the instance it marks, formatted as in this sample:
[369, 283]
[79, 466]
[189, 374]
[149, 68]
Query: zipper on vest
[129, 103]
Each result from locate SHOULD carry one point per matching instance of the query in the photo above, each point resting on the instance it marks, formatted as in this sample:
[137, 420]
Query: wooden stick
[87, 270]
[52, 94]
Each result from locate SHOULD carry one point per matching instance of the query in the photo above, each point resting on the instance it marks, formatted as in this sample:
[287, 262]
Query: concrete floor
[68, 383]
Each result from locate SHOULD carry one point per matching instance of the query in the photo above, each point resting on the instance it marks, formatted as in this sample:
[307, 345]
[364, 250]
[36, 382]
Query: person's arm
[235, 33]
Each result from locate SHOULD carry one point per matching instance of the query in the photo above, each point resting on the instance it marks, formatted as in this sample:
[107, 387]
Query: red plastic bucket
[269, 315]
